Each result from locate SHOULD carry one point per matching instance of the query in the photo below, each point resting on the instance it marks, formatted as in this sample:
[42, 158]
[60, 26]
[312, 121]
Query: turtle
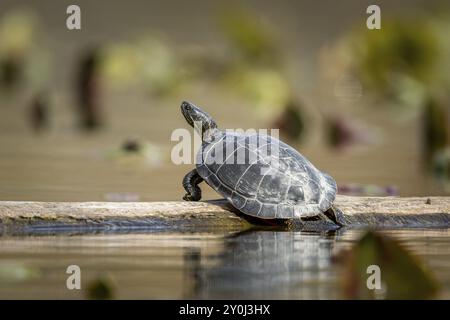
[258, 182]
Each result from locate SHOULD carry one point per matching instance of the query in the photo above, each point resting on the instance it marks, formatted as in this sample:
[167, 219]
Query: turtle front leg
[190, 184]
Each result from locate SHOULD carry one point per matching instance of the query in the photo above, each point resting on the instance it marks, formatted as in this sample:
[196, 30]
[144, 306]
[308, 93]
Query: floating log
[359, 212]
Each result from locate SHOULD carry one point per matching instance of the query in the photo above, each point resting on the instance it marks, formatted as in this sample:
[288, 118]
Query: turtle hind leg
[335, 215]
[190, 184]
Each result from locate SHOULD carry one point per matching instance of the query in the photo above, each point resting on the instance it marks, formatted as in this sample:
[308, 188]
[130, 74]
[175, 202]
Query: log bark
[359, 212]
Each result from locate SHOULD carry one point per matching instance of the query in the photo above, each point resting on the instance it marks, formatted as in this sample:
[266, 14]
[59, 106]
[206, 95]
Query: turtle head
[194, 114]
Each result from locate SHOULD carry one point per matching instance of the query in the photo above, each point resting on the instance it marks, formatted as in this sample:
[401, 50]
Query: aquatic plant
[147, 60]
[101, 288]
[291, 121]
[251, 39]
[134, 151]
[401, 274]
[17, 272]
[435, 129]
[398, 58]
[266, 89]
[254, 66]
[23, 58]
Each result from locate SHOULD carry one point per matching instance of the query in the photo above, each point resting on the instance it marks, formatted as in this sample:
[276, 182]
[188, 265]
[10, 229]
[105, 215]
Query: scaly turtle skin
[258, 174]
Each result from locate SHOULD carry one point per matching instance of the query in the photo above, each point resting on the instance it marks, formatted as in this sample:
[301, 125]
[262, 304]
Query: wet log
[359, 212]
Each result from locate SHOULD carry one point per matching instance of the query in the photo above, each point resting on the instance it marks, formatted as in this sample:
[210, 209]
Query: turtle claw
[336, 215]
[190, 197]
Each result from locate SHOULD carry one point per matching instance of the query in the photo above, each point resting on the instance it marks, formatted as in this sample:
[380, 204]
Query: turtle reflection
[269, 264]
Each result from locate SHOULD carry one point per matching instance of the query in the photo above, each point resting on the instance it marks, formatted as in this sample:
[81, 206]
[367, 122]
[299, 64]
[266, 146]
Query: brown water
[253, 264]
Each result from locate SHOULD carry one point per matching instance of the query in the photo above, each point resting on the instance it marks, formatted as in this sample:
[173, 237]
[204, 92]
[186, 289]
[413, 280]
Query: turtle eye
[186, 106]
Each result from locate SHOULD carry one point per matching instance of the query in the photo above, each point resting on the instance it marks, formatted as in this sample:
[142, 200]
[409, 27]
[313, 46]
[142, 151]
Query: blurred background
[87, 115]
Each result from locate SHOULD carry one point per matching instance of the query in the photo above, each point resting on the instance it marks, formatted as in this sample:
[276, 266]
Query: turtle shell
[264, 177]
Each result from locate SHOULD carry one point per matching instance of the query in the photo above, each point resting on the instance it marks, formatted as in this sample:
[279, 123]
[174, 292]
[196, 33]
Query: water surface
[260, 264]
